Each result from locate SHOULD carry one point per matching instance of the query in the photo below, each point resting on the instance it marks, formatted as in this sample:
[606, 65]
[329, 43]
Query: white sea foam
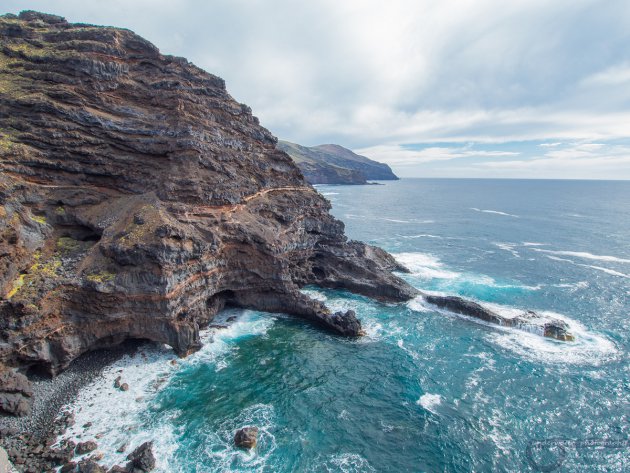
[606, 270]
[357, 217]
[509, 247]
[315, 294]
[430, 402]
[421, 235]
[330, 193]
[556, 258]
[115, 417]
[574, 286]
[373, 330]
[532, 243]
[346, 463]
[589, 348]
[418, 304]
[528, 340]
[496, 212]
[585, 255]
[496, 426]
[350, 216]
[220, 451]
[612, 272]
[425, 266]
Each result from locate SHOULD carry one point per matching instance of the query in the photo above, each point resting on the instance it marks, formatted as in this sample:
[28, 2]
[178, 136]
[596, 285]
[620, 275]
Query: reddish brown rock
[138, 198]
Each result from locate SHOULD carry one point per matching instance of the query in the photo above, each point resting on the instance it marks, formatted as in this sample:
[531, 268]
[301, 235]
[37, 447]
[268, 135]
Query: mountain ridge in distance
[334, 164]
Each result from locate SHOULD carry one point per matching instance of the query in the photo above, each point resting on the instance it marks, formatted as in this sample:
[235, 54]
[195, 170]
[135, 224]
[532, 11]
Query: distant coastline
[334, 164]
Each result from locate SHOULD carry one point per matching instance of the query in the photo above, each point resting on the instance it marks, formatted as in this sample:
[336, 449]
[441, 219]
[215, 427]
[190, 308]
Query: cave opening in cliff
[79, 233]
[220, 300]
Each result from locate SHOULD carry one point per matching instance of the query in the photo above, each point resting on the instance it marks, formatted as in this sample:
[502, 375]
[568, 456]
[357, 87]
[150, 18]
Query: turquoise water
[424, 391]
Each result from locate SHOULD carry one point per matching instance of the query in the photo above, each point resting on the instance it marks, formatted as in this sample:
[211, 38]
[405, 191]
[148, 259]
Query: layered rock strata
[138, 198]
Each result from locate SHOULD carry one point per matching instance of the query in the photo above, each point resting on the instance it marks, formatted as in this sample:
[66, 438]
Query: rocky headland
[334, 164]
[137, 200]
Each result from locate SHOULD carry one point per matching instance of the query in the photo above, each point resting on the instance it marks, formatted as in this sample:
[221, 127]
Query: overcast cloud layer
[461, 88]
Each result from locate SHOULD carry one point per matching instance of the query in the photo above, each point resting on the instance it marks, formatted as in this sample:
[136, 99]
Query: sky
[434, 88]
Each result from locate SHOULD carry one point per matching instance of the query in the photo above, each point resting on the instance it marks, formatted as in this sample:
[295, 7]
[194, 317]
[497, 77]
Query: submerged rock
[118, 469]
[247, 437]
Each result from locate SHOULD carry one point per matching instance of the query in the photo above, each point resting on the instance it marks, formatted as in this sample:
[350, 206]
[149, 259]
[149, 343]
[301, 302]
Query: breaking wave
[496, 212]
[430, 402]
[116, 418]
[584, 255]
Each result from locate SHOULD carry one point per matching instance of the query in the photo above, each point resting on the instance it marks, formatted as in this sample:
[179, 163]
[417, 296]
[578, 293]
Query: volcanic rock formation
[138, 198]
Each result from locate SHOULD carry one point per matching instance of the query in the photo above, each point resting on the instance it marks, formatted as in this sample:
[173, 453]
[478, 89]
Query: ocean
[425, 390]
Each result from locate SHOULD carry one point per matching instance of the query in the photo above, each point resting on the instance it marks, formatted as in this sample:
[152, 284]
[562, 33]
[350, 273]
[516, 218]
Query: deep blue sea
[424, 391]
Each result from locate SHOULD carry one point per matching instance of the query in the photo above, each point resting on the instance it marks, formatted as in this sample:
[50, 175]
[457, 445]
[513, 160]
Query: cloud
[575, 161]
[369, 74]
[397, 155]
[615, 75]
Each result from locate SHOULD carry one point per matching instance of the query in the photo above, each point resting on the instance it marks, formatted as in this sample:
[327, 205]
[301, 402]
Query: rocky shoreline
[29, 440]
[138, 199]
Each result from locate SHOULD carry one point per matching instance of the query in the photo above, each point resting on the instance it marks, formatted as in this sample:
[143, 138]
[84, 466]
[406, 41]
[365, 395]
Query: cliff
[138, 198]
[334, 164]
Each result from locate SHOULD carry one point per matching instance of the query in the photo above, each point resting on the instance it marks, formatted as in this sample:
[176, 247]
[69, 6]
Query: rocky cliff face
[334, 164]
[137, 199]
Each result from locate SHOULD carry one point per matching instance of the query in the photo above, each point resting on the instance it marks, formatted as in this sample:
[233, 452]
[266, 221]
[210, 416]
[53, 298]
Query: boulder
[141, 459]
[16, 393]
[247, 437]
[85, 447]
[90, 466]
[346, 323]
[68, 467]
